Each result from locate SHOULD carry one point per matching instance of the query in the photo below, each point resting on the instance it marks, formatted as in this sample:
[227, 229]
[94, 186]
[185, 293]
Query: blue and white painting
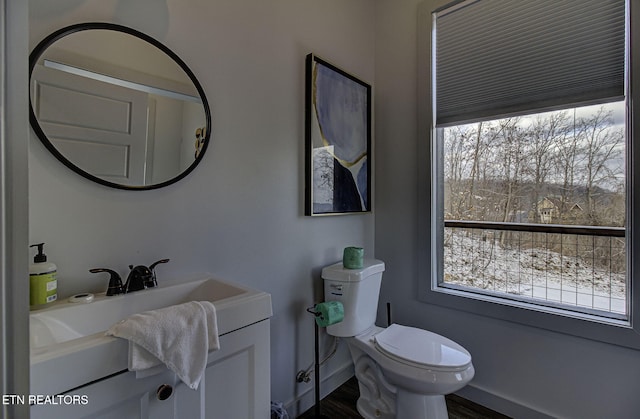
[340, 137]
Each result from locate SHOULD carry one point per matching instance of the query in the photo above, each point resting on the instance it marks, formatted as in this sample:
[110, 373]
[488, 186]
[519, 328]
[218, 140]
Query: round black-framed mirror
[117, 106]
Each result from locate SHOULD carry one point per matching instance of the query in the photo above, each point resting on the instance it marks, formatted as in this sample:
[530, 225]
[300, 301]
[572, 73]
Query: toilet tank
[358, 291]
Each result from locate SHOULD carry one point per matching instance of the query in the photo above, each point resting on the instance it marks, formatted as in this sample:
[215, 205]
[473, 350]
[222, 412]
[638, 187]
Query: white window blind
[496, 58]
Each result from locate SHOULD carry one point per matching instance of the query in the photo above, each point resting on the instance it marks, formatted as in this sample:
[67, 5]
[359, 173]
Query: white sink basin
[66, 334]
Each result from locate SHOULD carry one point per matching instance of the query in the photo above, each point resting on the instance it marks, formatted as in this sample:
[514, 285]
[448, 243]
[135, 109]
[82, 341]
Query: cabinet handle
[164, 392]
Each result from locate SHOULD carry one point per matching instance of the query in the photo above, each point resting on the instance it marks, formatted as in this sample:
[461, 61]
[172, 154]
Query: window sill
[612, 331]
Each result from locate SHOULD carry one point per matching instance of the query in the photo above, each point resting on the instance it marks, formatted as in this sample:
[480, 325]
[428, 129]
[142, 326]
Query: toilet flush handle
[336, 289]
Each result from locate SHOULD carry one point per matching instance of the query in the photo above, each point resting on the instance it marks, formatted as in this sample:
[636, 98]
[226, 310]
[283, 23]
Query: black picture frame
[337, 140]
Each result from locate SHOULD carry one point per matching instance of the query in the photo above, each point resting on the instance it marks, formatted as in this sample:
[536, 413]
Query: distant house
[555, 210]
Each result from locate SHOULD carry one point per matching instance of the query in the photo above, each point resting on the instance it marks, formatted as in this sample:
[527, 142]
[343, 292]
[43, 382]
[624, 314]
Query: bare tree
[566, 160]
[499, 170]
[508, 152]
[544, 135]
[599, 143]
[456, 169]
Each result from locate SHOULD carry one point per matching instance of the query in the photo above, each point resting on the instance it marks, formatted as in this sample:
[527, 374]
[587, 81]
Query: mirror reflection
[117, 107]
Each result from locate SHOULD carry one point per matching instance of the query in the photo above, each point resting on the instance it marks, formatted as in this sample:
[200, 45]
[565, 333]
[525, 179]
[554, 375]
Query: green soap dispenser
[43, 285]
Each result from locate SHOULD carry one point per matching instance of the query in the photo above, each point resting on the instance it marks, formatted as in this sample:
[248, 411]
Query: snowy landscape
[536, 273]
[557, 169]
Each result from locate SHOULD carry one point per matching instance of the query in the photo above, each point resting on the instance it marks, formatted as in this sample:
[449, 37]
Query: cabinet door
[122, 396]
[237, 381]
[236, 385]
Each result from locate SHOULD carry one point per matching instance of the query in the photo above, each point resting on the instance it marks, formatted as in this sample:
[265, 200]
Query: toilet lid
[421, 348]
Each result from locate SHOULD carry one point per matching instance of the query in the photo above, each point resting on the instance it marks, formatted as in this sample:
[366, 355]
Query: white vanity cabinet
[72, 356]
[236, 385]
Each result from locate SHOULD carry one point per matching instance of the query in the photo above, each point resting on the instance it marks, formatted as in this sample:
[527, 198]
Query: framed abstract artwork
[338, 140]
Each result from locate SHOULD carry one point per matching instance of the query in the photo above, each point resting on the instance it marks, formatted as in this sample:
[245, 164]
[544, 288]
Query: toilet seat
[421, 349]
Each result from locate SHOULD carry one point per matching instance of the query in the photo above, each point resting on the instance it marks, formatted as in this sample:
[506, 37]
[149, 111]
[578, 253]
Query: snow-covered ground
[536, 273]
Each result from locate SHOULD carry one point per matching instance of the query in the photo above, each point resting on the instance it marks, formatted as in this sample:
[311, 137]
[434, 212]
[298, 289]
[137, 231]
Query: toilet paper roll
[352, 257]
[330, 312]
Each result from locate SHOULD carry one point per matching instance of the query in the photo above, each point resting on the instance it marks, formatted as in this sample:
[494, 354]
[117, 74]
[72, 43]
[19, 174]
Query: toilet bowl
[403, 372]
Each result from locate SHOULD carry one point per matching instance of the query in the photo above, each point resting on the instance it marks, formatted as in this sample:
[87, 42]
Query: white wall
[239, 214]
[523, 371]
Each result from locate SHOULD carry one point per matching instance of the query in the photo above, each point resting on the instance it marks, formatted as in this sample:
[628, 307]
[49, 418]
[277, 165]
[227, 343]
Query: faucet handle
[115, 282]
[153, 282]
[153, 265]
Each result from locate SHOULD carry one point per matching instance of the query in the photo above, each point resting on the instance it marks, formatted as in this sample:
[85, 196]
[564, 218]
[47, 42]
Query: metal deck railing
[582, 268]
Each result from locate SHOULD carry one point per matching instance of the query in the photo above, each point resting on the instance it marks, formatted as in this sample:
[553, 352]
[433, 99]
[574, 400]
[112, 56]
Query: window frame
[620, 332]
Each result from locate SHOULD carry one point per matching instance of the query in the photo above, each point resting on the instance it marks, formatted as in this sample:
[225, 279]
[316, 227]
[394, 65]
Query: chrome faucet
[140, 277]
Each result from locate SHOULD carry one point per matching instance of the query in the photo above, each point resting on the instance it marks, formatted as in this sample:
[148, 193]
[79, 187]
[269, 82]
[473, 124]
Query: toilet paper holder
[322, 319]
[327, 313]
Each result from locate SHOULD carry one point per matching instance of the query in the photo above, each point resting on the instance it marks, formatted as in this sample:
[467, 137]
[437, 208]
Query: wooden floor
[341, 404]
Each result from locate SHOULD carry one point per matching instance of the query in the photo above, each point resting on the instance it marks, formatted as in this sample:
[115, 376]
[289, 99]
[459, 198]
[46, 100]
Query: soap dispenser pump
[43, 284]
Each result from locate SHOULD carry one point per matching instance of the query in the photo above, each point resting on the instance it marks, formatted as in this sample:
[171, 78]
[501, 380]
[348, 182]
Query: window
[534, 209]
[530, 164]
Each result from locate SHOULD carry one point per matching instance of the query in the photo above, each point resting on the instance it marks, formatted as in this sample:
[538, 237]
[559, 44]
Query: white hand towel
[178, 336]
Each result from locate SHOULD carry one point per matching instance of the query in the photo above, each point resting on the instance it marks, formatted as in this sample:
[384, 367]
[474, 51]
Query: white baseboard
[306, 400]
[500, 404]
[483, 397]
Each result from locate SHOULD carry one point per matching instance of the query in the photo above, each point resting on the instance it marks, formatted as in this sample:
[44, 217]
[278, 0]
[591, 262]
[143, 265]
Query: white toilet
[403, 372]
